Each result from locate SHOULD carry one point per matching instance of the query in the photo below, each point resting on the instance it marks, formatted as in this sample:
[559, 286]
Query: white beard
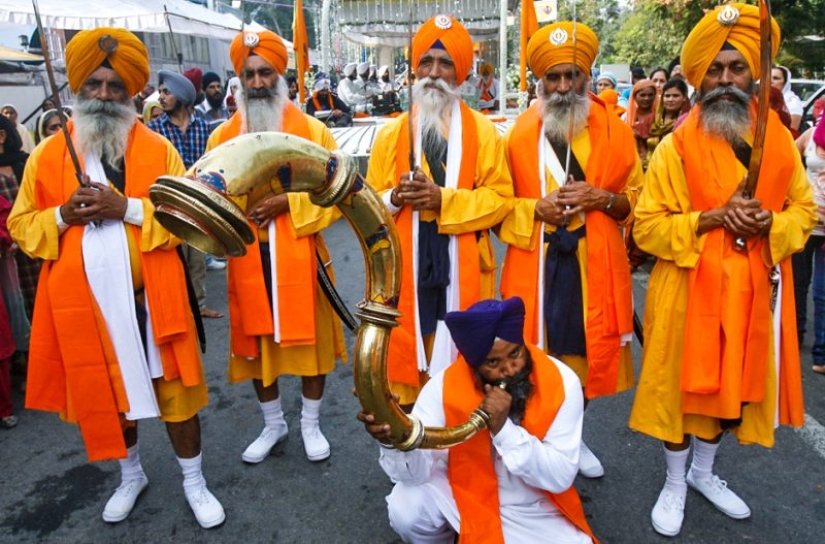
[264, 114]
[102, 128]
[729, 119]
[555, 112]
[434, 104]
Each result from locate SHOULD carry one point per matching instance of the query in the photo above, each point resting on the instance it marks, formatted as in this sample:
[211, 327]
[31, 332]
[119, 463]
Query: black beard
[215, 101]
[519, 387]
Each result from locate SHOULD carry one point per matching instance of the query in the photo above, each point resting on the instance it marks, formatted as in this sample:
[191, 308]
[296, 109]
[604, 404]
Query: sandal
[211, 314]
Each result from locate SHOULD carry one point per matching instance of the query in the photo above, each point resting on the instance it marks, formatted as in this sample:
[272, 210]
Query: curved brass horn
[264, 163]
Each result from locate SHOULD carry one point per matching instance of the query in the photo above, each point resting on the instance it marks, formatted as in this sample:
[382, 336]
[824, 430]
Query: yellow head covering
[553, 44]
[736, 24]
[124, 52]
[266, 44]
[453, 36]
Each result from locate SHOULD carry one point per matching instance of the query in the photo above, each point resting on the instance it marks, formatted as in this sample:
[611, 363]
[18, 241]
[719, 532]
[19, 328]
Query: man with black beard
[443, 209]
[512, 482]
[113, 337]
[212, 109]
[188, 133]
[720, 351]
[281, 322]
[566, 256]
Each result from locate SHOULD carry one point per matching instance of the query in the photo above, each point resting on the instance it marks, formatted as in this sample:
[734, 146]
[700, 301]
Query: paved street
[50, 493]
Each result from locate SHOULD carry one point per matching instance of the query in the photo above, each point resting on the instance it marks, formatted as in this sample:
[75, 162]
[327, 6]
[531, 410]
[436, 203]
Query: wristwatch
[610, 202]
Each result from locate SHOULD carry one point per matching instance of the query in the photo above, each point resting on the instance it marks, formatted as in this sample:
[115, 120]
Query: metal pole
[502, 60]
[325, 41]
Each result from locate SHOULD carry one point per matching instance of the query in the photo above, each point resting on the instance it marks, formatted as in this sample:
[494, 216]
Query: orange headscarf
[125, 53]
[632, 107]
[553, 44]
[736, 24]
[266, 44]
[453, 36]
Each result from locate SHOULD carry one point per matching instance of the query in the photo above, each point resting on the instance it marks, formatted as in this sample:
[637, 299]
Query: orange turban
[453, 36]
[125, 53]
[736, 24]
[266, 44]
[553, 44]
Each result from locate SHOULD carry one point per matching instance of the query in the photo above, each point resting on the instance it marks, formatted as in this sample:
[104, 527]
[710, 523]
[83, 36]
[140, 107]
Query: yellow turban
[266, 44]
[736, 24]
[453, 36]
[553, 44]
[125, 53]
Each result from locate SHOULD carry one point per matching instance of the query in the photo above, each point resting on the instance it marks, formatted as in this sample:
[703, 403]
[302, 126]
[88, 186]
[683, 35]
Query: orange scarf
[485, 87]
[317, 102]
[67, 347]
[470, 466]
[251, 314]
[403, 350]
[609, 312]
[729, 322]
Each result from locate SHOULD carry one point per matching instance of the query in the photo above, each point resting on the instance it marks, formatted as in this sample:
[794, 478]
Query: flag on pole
[300, 43]
[529, 24]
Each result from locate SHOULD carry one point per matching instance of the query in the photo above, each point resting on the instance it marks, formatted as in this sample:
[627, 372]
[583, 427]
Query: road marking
[813, 433]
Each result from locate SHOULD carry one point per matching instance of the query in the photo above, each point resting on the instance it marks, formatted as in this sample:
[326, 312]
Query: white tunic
[524, 465]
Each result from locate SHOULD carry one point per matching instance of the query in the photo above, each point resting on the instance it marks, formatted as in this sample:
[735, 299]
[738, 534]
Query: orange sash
[729, 321]
[251, 314]
[485, 90]
[67, 347]
[317, 102]
[609, 292]
[470, 466]
[403, 350]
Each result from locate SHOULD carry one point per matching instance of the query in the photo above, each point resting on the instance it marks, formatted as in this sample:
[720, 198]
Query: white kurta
[524, 465]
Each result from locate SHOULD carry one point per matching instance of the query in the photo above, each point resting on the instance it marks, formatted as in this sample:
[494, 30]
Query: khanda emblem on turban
[558, 37]
[107, 44]
[443, 22]
[250, 39]
[728, 16]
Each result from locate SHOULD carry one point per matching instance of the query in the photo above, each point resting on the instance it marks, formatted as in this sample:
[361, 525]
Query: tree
[603, 16]
[277, 16]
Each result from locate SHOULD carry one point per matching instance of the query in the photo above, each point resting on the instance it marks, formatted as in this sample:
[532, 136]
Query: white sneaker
[717, 492]
[215, 264]
[262, 446]
[123, 499]
[315, 444]
[589, 464]
[207, 509]
[669, 512]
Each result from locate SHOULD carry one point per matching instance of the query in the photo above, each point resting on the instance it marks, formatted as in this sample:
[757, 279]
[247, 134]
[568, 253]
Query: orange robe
[480, 201]
[311, 336]
[613, 166]
[710, 345]
[72, 365]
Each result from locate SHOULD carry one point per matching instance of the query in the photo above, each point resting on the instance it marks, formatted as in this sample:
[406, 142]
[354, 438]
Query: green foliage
[277, 17]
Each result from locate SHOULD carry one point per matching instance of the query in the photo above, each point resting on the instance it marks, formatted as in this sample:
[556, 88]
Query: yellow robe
[462, 210]
[37, 235]
[666, 227]
[521, 230]
[306, 219]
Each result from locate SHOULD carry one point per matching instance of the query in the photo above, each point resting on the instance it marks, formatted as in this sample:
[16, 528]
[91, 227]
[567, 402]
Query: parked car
[808, 90]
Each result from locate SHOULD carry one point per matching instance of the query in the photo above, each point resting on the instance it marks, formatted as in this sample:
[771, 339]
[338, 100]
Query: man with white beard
[566, 257]
[281, 322]
[113, 337]
[459, 189]
[721, 353]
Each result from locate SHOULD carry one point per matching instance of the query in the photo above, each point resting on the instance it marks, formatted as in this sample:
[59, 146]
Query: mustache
[726, 91]
[260, 93]
[428, 82]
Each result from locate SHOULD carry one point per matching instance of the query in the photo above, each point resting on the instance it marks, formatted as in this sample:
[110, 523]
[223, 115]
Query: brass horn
[260, 164]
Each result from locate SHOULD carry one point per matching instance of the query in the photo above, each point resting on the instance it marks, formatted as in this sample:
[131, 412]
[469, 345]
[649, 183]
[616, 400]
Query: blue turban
[476, 329]
[179, 86]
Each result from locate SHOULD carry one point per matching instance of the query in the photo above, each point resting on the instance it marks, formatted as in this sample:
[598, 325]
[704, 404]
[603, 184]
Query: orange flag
[300, 44]
[529, 24]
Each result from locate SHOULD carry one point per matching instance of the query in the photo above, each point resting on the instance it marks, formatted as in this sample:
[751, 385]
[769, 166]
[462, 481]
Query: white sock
[704, 454]
[273, 413]
[130, 468]
[310, 411]
[676, 464]
[192, 473]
